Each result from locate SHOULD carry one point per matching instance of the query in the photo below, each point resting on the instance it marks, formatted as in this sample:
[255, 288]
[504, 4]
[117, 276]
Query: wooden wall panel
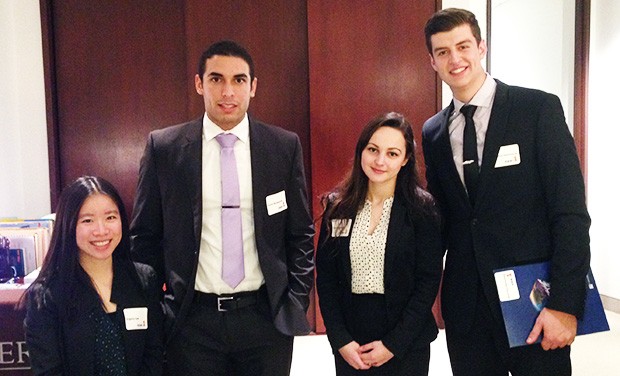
[116, 70]
[119, 72]
[275, 34]
[364, 60]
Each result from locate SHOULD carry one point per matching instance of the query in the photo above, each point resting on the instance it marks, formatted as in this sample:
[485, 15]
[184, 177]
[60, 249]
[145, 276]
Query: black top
[109, 347]
[63, 332]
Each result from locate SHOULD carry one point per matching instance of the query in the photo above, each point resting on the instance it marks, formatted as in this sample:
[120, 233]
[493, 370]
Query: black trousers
[239, 342]
[367, 322]
[484, 350]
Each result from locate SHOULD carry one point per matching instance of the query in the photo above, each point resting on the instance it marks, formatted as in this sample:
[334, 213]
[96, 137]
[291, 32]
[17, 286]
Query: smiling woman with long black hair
[91, 311]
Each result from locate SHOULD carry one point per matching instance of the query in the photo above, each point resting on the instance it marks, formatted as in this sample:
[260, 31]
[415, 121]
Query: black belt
[231, 302]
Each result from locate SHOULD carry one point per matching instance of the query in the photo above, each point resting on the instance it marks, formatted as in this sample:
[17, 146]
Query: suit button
[474, 222]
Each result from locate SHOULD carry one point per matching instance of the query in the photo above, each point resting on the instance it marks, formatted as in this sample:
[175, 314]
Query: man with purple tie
[222, 214]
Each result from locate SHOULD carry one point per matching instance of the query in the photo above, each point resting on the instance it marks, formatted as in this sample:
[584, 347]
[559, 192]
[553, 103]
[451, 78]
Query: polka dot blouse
[367, 251]
[109, 349]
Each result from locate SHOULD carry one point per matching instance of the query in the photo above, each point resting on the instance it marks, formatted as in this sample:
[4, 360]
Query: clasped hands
[373, 354]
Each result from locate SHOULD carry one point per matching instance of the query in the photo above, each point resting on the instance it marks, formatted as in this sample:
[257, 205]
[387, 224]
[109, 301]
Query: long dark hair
[62, 259]
[348, 196]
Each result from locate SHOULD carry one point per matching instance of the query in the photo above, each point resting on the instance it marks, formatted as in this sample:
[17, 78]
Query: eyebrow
[458, 44]
[216, 74]
[111, 211]
[377, 146]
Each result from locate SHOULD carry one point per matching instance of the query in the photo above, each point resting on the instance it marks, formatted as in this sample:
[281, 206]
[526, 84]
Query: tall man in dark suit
[511, 194]
[217, 326]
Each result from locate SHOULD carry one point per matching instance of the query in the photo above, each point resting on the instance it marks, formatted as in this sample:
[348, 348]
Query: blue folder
[523, 292]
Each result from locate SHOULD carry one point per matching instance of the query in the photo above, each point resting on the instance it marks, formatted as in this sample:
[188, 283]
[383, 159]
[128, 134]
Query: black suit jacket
[531, 211]
[62, 342]
[167, 219]
[412, 271]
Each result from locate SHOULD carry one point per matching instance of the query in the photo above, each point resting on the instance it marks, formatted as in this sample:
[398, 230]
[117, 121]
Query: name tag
[136, 318]
[276, 203]
[507, 287]
[508, 156]
[341, 227]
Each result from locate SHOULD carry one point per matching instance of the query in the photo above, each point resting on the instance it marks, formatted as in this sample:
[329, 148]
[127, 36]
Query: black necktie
[470, 153]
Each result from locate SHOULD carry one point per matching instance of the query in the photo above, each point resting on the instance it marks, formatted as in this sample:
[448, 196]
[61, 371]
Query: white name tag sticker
[341, 227]
[136, 318]
[276, 203]
[508, 156]
[507, 288]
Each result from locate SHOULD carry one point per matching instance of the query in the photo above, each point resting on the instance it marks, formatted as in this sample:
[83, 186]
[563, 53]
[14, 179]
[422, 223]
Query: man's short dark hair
[225, 48]
[446, 20]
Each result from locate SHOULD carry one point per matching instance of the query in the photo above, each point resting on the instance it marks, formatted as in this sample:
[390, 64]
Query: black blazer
[62, 342]
[412, 271]
[168, 219]
[526, 212]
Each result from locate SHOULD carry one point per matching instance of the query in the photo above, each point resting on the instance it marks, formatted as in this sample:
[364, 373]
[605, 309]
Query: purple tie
[232, 239]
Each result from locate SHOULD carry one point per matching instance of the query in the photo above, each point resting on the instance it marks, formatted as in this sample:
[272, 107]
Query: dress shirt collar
[483, 98]
[242, 130]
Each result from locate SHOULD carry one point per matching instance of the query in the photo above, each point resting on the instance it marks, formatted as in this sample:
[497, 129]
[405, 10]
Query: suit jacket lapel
[498, 123]
[259, 159]
[445, 152]
[397, 221]
[190, 159]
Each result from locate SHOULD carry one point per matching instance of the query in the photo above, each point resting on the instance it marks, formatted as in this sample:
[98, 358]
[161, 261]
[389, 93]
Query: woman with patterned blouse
[379, 258]
[91, 311]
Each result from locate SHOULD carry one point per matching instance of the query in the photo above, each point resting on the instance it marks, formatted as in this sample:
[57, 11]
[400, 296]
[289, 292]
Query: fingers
[535, 333]
[558, 328]
[367, 347]
[350, 353]
[375, 354]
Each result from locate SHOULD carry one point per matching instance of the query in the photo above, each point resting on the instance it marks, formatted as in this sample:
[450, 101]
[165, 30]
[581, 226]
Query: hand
[558, 328]
[351, 354]
[375, 354]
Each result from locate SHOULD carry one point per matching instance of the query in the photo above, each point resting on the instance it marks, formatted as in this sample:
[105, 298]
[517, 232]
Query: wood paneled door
[115, 70]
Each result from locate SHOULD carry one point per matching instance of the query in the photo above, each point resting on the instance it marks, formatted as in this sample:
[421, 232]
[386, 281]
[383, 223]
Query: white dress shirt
[209, 273]
[484, 101]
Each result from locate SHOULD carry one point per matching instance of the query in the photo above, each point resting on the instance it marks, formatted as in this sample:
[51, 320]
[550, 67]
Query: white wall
[603, 138]
[533, 45]
[24, 167]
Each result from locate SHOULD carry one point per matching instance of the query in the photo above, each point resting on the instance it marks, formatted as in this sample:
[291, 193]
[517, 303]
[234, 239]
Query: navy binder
[523, 291]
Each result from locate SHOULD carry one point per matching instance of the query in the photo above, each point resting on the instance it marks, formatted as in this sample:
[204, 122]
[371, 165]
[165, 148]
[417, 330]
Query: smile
[101, 243]
[458, 70]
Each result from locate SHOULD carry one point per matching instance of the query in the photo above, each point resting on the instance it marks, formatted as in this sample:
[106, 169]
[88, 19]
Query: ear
[482, 48]
[198, 84]
[253, 87]
[404, 162]
[433, 62]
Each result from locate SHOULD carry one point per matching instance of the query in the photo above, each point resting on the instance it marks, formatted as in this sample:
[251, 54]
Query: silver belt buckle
[220, 300]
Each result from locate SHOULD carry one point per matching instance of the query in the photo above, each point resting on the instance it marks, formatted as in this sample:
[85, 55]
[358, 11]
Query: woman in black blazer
[379, 258]
[91, 311]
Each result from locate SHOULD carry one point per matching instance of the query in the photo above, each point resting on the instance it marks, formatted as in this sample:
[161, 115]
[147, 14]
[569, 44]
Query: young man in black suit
[216, 326]
[510, 192]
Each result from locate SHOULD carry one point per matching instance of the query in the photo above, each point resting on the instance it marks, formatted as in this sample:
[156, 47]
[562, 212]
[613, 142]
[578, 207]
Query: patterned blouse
[367, 251]
[109, 348]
